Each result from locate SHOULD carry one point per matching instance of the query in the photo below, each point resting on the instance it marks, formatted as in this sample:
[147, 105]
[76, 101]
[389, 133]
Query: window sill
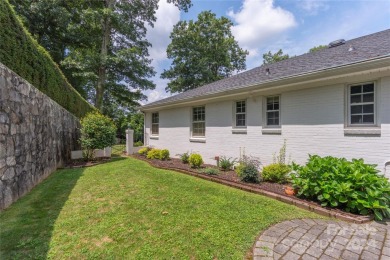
[239, 131]
[271, 131]
[154, 137]
[197, 139]
[363, 131]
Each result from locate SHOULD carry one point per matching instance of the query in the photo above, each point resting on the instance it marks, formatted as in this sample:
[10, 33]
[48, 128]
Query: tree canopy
[101, 45]
[272, 58]
[202, 52]
[317, 48]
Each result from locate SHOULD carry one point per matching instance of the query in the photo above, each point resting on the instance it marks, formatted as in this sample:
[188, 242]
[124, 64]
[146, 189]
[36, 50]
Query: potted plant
[289, 190]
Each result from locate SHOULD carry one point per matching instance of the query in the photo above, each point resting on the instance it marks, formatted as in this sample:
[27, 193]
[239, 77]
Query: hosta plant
[349, 185]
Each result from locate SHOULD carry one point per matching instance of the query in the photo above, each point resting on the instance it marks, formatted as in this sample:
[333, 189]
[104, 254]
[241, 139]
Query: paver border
[277, 240]
[284, 198]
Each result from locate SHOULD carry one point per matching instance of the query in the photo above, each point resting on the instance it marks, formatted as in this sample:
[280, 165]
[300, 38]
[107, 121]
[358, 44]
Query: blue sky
[269, 25]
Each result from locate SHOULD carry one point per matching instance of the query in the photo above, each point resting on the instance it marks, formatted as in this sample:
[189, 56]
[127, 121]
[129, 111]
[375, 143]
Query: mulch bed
[273, 190]
[80, 163]
[174, 163]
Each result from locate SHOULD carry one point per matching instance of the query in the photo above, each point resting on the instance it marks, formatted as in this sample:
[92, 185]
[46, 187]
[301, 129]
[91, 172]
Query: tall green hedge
[22, 54]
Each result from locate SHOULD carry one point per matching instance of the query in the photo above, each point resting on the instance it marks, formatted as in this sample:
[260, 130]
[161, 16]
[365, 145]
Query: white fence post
[129, 141]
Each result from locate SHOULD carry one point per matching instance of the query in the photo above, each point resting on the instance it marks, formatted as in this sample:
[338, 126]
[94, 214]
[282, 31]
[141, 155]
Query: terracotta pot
[289, 190]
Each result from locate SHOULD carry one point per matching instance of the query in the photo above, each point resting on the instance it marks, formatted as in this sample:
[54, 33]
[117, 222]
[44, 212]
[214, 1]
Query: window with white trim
[155, 123]
[273, 111]
[361, 110]
[198, 122]
[240, 110]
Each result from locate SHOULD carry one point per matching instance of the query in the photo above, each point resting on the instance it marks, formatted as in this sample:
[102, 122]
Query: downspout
[144, 127]
[386, 168]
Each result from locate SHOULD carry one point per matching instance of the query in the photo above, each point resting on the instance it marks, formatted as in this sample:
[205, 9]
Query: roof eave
[317, 74]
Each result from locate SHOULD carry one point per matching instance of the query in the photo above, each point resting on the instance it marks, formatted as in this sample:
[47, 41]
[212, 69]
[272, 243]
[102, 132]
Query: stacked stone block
[36, 136]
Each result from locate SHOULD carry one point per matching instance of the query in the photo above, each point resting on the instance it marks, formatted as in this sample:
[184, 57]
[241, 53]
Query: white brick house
[332, 102]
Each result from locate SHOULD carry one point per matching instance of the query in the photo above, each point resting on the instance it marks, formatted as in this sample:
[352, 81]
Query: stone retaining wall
[36, 136]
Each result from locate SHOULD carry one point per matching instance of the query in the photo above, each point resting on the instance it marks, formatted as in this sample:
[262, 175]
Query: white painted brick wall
[312, 123]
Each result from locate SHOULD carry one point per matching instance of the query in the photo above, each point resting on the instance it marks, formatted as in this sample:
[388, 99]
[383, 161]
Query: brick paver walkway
[323, 239]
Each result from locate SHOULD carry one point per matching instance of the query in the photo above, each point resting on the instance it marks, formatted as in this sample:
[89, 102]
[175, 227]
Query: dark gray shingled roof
[367, 47]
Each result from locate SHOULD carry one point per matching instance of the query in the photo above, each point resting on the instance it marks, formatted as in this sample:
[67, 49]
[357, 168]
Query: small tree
[97, 132]
[202, 51]
[270, 57]
[317, 48]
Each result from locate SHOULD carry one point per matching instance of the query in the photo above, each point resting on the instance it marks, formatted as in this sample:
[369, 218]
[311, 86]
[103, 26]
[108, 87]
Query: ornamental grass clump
[226, 163]
[184, 157]
[353, 186]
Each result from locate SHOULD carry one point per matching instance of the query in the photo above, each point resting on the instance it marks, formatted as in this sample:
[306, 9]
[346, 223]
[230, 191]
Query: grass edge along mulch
[128, 209]
[259, 189]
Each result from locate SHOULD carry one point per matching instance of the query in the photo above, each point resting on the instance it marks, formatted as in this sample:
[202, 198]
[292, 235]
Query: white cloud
[167, 16]
[258, 22]
[159, 92]
[312, 7]
[156, 95]
[370, 20]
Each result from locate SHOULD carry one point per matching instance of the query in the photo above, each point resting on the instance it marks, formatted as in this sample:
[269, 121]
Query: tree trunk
[102, 72]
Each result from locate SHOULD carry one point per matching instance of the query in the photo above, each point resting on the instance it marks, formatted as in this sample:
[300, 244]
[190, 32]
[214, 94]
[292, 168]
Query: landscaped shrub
[97, 132]
[195, 160]
[209, 171]
[22, 54]
[153, 154]
[238, 168]
[247, 170]
[144, 151]
[350, 185]
[275, 172]
[137, 144]
[164, 154]
[184, 157]
[249, 173]
[226, 163]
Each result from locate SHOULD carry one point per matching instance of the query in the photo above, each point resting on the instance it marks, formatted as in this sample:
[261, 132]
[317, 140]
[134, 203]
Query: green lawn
[128, 210]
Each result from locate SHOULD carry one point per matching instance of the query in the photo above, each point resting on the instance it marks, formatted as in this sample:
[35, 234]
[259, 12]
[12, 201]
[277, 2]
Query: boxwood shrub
[154, 154]
[276, 172]
[349, 185]
[195, 160]
[164, 154]
[144, 151]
